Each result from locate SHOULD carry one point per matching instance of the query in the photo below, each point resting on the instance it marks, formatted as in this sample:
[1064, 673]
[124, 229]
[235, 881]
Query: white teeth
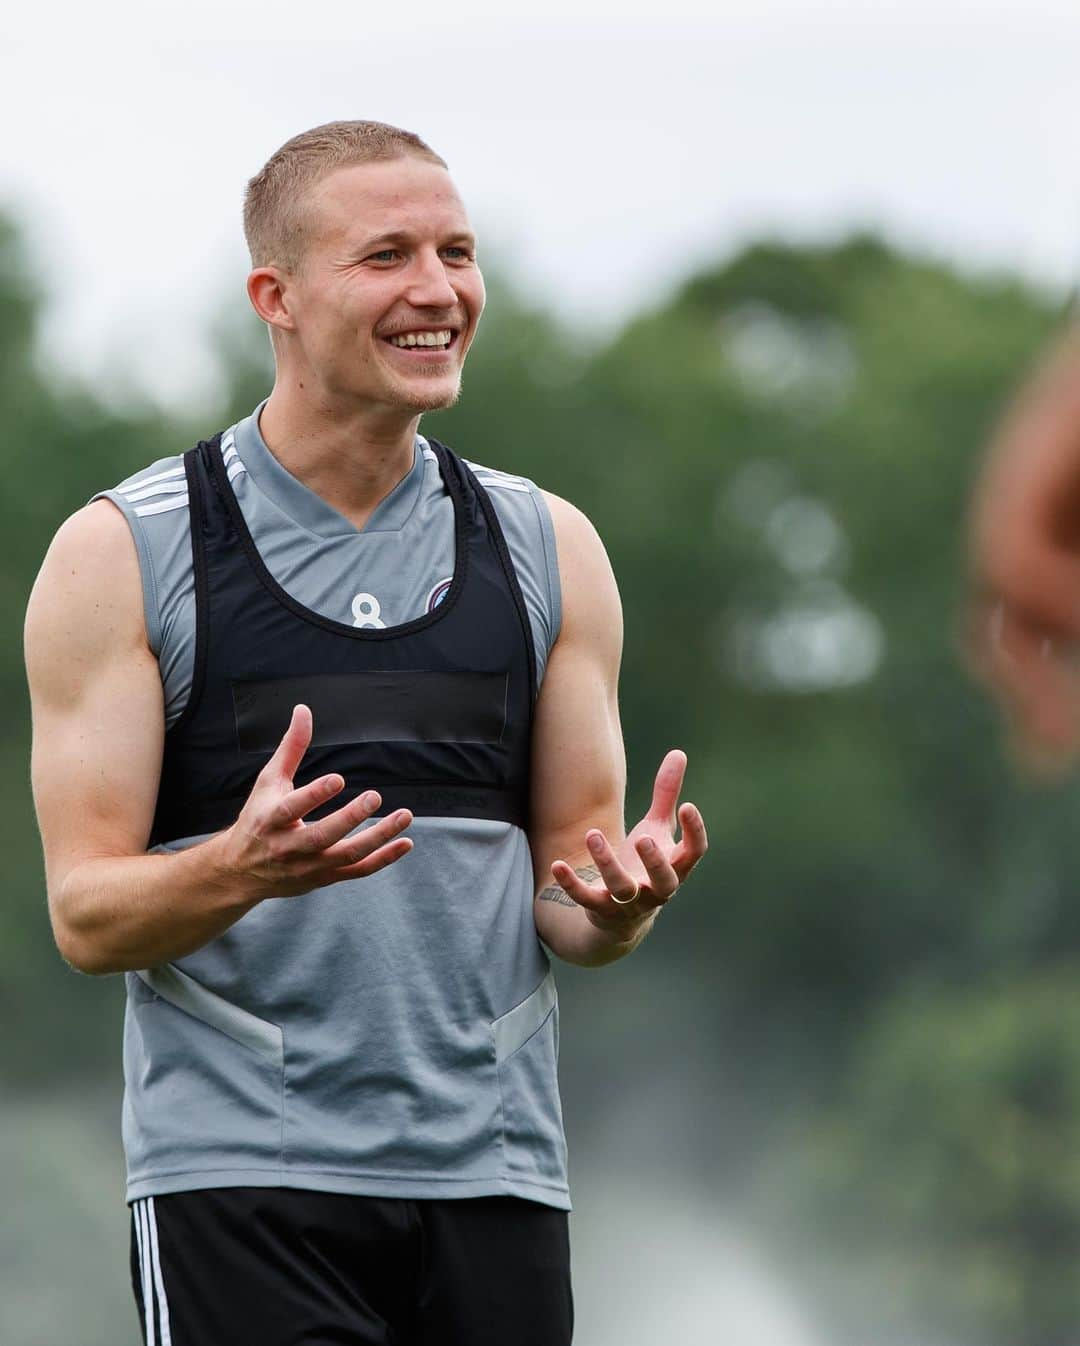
[440, 339]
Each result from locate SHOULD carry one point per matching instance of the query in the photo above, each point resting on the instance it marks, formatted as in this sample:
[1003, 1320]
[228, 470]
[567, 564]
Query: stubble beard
[413, 398]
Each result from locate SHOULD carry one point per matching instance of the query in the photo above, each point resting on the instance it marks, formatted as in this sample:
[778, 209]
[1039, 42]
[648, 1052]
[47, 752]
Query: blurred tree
[948, 1175]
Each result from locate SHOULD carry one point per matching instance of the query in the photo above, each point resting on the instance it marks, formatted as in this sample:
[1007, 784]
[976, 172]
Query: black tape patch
[373, 707]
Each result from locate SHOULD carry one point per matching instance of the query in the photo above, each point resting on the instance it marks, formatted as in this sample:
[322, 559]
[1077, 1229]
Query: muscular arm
[578, 758]
[98, 722]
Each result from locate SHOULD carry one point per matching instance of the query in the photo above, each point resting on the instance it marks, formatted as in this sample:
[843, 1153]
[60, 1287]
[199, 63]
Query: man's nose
[429, 285]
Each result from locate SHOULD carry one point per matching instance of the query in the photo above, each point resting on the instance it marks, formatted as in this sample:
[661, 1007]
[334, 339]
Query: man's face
[389, 255]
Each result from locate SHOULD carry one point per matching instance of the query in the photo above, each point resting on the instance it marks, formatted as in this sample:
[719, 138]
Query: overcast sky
[602, 156]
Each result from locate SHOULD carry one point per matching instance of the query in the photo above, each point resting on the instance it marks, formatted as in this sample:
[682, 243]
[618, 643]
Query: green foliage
[949, 1174]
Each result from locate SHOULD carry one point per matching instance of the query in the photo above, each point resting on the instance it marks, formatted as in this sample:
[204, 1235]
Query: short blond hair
[274, 224]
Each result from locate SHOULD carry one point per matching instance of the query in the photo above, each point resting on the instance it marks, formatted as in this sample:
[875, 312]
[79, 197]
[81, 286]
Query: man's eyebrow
[398, 237]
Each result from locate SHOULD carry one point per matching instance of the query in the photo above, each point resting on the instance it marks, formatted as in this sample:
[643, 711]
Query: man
[1023, 621]
[268, 661]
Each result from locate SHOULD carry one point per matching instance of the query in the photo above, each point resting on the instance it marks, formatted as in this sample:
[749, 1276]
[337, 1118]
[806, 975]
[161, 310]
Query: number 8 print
[366, 610]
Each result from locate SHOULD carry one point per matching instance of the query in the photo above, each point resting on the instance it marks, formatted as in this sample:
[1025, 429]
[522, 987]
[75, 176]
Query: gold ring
[625, 901]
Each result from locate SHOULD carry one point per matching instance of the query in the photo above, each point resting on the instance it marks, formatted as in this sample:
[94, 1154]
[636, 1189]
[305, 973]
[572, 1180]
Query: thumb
[294, 743]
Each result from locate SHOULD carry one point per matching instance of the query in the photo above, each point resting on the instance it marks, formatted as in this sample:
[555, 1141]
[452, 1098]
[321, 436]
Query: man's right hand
[272, 852]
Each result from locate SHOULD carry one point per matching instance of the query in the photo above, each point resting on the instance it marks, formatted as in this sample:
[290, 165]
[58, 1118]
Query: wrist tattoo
[556, 894]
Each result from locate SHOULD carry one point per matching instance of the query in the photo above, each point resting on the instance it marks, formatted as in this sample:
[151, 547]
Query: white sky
[602, 156]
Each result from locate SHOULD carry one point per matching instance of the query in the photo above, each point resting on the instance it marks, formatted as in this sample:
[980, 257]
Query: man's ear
[267, 288]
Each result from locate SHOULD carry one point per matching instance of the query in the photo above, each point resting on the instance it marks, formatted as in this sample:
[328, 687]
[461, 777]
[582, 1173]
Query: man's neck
[351, 460]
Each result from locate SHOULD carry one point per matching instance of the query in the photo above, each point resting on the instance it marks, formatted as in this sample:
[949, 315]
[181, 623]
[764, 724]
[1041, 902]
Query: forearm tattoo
[556, 894]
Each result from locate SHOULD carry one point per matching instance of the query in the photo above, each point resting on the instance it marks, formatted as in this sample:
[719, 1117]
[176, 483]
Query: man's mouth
[440, 339]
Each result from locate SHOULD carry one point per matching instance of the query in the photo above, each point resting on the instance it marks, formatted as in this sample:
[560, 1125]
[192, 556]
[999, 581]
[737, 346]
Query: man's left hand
[649, 861]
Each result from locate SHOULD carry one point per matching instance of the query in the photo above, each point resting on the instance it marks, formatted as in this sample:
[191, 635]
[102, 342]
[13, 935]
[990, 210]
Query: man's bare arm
[98, 722]
[579, 776]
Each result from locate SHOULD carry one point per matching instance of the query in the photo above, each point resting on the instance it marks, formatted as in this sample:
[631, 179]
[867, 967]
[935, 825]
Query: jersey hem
[356, 1184]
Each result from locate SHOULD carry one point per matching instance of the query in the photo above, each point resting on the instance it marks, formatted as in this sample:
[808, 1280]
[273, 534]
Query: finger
[371, 864]
[294, 743]
[663, 880]
[319, 835]
[361, 844]
[298, 802]
[693, 843]
[669, 780]
[584, 894]
[618, 880]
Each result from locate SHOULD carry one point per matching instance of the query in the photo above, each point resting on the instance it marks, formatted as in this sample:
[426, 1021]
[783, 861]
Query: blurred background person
[1023, 629]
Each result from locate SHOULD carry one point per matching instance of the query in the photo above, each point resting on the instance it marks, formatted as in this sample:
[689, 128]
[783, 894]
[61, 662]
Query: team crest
[438, 593]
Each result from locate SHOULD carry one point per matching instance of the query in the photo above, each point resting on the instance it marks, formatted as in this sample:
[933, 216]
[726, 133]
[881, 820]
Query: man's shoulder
[511, 482]
[159, 487]
[500, 479]
[572, 526]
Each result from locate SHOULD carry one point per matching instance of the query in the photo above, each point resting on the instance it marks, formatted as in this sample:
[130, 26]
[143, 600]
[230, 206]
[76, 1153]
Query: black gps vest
[435, 714]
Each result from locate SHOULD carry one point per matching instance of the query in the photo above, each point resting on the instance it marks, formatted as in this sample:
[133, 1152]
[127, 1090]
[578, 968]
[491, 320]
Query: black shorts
[267, 1266]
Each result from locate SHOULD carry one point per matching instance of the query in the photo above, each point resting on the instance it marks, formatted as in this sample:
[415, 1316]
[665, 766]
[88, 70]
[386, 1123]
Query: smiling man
[326, 758]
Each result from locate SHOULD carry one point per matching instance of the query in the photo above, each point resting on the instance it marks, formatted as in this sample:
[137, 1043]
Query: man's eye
[461, 252]
[385, 255]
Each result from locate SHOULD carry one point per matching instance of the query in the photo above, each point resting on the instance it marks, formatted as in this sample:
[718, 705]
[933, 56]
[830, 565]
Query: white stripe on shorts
[145, 1274]
[155, 1259]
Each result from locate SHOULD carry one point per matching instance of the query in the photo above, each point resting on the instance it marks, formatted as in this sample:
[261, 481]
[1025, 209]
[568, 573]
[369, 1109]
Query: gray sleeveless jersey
[393, 570]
